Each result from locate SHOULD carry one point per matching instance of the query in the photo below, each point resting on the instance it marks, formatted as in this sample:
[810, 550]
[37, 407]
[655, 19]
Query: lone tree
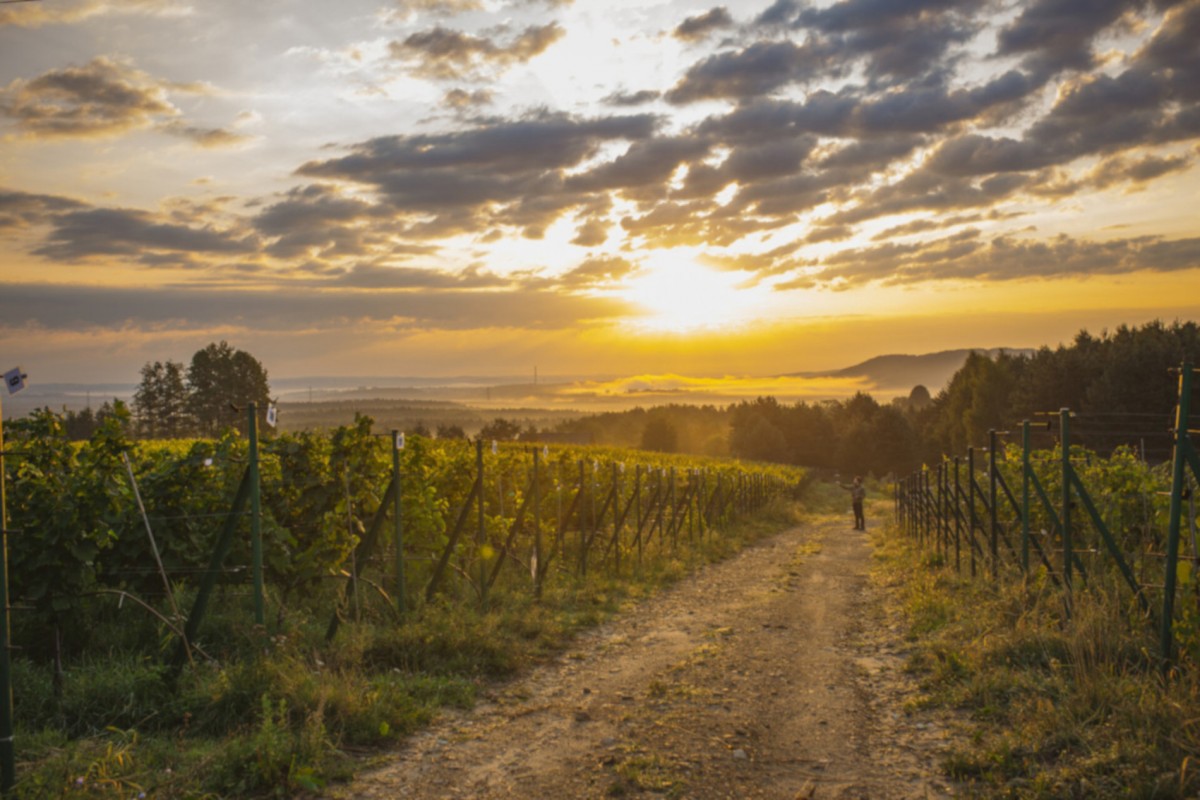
[221, 383]
[161, 401]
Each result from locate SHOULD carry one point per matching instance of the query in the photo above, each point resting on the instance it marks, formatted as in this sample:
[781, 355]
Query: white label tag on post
[14, 379]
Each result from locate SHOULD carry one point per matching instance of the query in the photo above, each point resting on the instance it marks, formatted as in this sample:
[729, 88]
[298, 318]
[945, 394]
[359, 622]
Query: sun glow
[679, 295]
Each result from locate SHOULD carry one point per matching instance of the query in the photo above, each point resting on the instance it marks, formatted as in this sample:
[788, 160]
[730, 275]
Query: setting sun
[679, 295]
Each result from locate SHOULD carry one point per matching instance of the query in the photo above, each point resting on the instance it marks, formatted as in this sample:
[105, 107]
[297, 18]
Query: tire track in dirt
[775, 674]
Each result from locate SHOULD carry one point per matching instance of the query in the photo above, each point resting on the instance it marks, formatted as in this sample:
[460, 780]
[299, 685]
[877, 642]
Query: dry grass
[1059, 705]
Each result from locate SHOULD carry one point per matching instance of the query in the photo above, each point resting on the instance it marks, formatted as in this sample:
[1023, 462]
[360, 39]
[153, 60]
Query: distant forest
[1119, 384]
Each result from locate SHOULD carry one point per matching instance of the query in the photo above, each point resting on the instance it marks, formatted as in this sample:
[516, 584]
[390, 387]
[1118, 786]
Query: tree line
[1118, 382]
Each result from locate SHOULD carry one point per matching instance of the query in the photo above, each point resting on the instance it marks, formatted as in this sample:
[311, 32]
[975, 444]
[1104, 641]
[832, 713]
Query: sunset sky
[442, 187]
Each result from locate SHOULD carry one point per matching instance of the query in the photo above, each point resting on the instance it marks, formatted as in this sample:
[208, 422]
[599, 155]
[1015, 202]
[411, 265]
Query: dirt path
[775, 674]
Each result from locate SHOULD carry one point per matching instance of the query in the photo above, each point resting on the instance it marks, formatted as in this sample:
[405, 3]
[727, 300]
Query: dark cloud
[695, 223]
[1173, 53]
[36, 15]
[444, 54]
[849, 114]
[440, 7]
[317, 222]
[463, 100]
[376, 276]
[598, 271]
[829, 233]
[860, 158]
[82, 234]
[822, 112]
[591, 233]
[895, 38]
[703, 25]
[932, 108]
[640, 98]
[450, 8]
[204, 137]
[310, 206]
[1136, 172]
[82, 308]
[926, 225]
[850, 15]
[925, 191]
[1056, 35]
[1097, 116]
[753, 162]
[644, 169]
[101, 98]
[967, 256]
[20, 210]
[104, 97]
[758, 70]
[779, 14]
[1154, 101]
[507, 173]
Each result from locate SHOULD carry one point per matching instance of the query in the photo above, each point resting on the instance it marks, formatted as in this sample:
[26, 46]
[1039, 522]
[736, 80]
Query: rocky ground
[775, 674]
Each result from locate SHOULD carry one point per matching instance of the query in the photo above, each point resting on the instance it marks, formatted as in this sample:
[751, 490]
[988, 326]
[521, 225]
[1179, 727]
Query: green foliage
[161, 401]
[856, 436]
[68, 502]
[270, 715]
[276, 759]
[220, 380]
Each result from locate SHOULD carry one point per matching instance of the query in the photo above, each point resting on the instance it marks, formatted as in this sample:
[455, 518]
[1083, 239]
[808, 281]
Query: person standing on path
[858, 493]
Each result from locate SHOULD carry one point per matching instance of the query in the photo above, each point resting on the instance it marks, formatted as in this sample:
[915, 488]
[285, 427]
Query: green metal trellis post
[256, 547]
[362, 552]
[1025, 467]
[993, 521]
[940, 506]
[957, 515]
[946, 514]
[537, 530]
[397, 524]
[8, 768]
[1064, 418]
[480, 531]
[925, 501]
[671, 506]
[972, 518]
[617, 519]
[1184, 455]
[637, 510]
[209, 581]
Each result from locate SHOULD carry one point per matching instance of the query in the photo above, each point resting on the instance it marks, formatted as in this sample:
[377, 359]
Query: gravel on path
[777, 673]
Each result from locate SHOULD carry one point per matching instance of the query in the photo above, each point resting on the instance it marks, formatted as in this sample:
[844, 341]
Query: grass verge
[1056, 705]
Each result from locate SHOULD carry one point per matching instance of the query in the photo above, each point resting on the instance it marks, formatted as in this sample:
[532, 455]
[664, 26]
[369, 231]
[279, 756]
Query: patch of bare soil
[775, 674]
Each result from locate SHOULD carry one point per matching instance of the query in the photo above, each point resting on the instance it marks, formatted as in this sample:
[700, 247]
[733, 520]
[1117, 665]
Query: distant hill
[893, 372]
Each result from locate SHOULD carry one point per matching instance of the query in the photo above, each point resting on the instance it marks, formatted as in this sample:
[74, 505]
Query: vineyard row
[1072, 517]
